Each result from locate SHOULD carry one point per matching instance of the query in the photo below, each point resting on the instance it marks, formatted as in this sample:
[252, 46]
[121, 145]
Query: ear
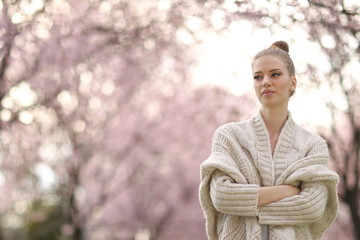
[293, 83]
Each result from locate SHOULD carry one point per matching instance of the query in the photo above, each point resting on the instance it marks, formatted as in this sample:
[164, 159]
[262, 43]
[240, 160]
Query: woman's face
[272, 82]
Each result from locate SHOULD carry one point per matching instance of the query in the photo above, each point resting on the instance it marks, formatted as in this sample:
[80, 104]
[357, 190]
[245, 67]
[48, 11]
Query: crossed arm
[275, 193]
[279, 205]
[228, 196]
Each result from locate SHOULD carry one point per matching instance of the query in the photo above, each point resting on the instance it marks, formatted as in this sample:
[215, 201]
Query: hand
[291, 190]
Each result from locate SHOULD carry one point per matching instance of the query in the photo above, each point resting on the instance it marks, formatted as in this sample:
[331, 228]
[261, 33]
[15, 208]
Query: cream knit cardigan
[241, 161]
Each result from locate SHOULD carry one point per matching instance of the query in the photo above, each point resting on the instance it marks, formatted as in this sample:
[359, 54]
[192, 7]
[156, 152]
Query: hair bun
[282, 45]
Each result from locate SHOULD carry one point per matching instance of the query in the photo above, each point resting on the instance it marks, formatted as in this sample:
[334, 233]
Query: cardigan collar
[268, 161]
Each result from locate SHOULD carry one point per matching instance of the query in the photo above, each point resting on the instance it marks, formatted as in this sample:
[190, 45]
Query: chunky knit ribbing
[272, 166]
[241, 161]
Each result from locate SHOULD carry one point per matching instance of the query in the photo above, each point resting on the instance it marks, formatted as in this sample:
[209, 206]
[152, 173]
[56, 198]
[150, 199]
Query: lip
[267, 92]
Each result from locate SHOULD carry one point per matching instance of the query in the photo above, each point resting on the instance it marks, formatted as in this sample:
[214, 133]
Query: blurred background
[108, 107]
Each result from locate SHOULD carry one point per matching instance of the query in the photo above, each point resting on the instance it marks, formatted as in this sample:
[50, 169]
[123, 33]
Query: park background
[107, 108]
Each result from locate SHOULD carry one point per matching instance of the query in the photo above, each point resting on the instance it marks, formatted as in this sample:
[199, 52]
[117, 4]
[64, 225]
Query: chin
[272, 104]
[268, 103]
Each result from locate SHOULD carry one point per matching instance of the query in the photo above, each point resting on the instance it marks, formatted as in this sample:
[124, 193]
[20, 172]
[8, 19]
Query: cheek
[257, 86]
[285, 84]
[257, 90]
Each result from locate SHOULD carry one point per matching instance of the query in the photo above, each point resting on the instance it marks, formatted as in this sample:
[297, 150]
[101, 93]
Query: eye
[277, 74]
[257, 77]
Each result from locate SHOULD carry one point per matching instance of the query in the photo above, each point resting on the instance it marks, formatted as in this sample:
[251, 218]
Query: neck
[274, 119]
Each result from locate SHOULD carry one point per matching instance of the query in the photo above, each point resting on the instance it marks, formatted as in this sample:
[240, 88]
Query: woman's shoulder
[303, 136]
[235, 126]
[241, 129]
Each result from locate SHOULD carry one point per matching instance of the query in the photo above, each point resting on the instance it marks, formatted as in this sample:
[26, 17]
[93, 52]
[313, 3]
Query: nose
[266, 81]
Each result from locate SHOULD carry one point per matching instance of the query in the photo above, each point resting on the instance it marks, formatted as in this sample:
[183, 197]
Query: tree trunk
[1, 231]
[75, 218]
[351, 200]
[78, 233]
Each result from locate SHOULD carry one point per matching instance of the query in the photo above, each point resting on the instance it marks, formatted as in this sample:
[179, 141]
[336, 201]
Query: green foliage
[45, 222]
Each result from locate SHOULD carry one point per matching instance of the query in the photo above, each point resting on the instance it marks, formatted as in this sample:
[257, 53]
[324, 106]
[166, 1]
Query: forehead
[267, 63]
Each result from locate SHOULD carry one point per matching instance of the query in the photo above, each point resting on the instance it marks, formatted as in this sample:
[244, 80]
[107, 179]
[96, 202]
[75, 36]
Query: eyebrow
[272, 70]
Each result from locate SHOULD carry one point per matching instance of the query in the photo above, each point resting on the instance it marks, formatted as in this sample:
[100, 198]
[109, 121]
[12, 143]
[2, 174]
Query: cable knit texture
[241, 161]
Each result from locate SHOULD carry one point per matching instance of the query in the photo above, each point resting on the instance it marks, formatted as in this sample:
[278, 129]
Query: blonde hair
[280, 49]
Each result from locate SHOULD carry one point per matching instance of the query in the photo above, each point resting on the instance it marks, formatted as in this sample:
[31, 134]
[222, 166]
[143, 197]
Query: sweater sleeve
[233, 198]
[307, 207]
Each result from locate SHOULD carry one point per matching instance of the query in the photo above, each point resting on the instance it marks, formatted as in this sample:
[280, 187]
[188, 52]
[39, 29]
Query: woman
[267, 177]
